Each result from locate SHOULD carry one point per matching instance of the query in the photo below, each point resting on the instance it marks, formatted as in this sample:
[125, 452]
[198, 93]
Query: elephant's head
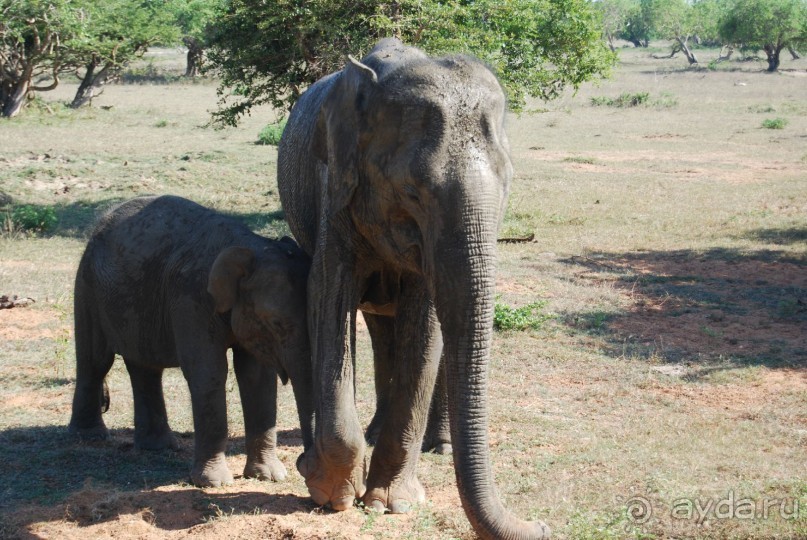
[418, 162]
[265, 293]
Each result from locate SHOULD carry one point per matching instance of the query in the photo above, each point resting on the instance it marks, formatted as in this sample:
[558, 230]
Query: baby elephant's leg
[91, 398]
[206, 373]
[152, 431]
[257, 383]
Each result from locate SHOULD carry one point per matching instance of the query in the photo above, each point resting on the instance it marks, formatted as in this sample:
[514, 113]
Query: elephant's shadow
[48, 475]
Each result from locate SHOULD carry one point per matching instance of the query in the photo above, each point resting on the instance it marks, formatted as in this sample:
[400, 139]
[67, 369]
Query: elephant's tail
[105, 398]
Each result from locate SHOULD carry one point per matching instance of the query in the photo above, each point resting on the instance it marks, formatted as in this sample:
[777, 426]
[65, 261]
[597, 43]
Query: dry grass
[671, 250]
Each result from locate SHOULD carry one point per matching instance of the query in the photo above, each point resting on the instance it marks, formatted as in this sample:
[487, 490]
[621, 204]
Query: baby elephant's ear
[232, 264]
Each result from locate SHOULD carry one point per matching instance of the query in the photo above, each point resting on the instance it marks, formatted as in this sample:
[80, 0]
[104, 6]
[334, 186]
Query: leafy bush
[774, 123]
[271, 134]
[523, 318]
[34, 218]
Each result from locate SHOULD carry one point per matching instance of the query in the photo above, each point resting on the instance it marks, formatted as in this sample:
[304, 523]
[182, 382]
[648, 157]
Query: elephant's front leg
[206, 374]
[257, 384]
[392, 482]
[334, 467]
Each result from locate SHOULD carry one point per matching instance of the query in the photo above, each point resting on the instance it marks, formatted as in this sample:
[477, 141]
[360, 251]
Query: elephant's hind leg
[94, 359]
[392, 482]
[152, 431]
[257, 384]
[382, 333]
[438, 430]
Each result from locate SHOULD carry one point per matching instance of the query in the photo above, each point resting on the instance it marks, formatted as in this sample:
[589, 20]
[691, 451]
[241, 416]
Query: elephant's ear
[336, 136]
[230, 267]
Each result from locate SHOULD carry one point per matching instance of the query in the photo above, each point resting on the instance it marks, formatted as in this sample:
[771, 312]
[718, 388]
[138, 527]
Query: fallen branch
[8, 302]
[517, 239]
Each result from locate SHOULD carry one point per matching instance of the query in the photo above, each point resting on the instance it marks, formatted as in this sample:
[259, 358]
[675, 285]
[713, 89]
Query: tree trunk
[194, 57]
[686, 50]
[12, 98]
[92, 83]
[773, 57]
[793, 52]
[729, 51]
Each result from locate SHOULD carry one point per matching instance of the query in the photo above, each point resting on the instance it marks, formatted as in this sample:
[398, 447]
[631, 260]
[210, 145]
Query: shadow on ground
[49, 475]
[76, 219]
[719, 305]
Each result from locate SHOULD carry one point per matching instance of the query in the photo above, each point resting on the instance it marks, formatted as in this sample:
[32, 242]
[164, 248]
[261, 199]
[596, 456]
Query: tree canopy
[40, 40]
[31, 33]
[770, 25]
[269, 52]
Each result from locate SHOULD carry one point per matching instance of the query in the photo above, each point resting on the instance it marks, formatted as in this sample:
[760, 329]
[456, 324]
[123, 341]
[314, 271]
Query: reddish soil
[28, 323]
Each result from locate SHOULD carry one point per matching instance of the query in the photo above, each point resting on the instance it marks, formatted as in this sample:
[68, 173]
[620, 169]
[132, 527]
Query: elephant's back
[143, 257]
[300, 174]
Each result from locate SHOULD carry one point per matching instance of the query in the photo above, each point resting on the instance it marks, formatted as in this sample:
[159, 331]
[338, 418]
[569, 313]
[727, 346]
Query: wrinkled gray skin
[438, 432]
[165, 282]
[394, 175]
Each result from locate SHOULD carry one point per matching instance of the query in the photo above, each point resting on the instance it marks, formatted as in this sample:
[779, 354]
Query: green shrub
[774, 123]
[33, 218]
[271, 133]
[523, 318]
[626, 99]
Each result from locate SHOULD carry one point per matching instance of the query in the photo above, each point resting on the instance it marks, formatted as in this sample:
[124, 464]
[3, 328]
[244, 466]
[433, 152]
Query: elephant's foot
[374, 429]
[399, 497]
[444, 449]
[163, 440]
[93, 431]
[211, 473]
[328, 483]
[269, 469]
[436, 441]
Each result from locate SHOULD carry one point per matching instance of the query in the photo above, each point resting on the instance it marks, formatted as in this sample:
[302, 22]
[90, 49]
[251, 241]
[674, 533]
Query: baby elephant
[165, 282]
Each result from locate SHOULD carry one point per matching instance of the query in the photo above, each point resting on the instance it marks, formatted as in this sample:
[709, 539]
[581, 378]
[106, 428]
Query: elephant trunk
[464, 299]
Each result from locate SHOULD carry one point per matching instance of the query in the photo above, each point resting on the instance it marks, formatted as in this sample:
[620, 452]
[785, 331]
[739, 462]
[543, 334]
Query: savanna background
[652, 351]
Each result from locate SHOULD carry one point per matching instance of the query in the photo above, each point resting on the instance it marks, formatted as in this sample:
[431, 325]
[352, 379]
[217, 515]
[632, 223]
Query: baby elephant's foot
[270, 469]
[95, 431]
[327, 483]
[163, 440]
[398, 497]
[211, 473]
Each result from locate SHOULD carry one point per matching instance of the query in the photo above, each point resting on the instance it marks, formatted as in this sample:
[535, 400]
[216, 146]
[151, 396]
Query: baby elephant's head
[265, 293]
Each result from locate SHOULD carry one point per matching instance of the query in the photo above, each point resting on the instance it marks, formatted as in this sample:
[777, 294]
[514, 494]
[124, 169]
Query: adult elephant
[394, 174]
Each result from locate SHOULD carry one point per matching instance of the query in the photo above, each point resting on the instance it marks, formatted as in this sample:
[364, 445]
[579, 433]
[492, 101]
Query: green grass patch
[529, 317]
[580, 159]
[636, 99]
[775, 123]
[625, 99]
[270, 135]
[31, 218]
